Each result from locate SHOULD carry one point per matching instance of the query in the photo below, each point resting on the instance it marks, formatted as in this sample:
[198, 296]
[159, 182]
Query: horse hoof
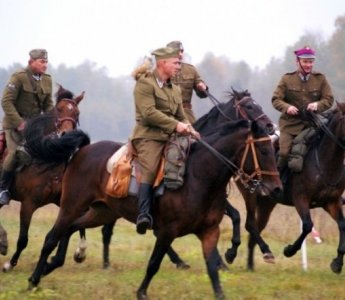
[230, 256]
[79, 258]
[182, 266]
[141, 295]
[269, 258]
[288, 251]
[106, 265]
[32, 286]
[7, 267]
[336, 267]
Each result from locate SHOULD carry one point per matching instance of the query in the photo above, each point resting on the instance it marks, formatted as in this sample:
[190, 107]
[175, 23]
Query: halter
[74, 121]
[247, 180]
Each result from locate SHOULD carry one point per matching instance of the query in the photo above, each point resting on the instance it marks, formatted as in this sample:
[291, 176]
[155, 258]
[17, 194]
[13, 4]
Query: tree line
[107, 112]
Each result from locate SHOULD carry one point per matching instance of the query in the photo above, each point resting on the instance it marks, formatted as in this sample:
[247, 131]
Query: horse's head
[247, 108]
[259, 163]
[67, 111]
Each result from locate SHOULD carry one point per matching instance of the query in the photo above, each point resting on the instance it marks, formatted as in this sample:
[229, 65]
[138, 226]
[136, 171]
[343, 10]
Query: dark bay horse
[196, 208]
[36, 184]
[320, 184]
[240, 106]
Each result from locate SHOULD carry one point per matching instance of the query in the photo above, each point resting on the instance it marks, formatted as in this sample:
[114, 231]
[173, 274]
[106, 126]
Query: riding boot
[5, 182]
[144, 220]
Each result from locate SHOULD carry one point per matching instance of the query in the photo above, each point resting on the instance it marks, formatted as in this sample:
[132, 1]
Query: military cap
[176, 45]
[165, 52]
[305, 52]
[38, 54]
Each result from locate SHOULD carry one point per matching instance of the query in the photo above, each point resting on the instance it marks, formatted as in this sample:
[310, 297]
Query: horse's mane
[233, 94]
[62, 93]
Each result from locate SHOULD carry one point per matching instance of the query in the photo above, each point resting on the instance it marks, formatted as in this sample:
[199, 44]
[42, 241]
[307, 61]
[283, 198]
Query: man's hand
[21, 126]
[312, 106]
[201, 86]
[185, 128]
[292, 110]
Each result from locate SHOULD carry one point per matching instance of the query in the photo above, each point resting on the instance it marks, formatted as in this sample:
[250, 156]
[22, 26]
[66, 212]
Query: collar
[304, 77]
[161, 83]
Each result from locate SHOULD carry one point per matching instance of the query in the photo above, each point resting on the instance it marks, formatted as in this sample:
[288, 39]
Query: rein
[237, 106]
[247, 180]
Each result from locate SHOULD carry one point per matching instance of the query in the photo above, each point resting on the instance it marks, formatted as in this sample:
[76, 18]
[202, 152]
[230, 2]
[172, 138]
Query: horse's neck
[330, 155]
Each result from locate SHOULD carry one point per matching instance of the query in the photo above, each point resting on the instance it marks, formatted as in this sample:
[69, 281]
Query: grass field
[130, 253]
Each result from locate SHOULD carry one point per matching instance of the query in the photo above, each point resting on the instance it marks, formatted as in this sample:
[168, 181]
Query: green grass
[130, 253]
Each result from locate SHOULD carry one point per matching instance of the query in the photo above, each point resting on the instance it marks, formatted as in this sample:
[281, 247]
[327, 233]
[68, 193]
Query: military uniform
[158, 108]
[292, 90]
[187, 79]
[26, 95]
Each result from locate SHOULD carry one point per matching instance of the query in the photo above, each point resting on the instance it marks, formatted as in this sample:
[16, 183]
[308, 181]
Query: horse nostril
[270, 129]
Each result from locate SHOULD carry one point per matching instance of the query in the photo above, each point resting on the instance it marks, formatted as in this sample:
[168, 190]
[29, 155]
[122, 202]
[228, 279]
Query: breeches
[13, 139]
[149, 155]
[285, 143]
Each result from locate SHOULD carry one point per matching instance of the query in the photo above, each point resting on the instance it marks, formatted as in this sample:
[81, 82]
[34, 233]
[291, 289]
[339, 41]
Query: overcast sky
[117, 33]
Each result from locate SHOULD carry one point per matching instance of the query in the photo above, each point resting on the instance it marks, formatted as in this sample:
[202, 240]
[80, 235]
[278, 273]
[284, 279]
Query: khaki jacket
[292, 90]
[157, 109]
[24, 98]
[187, 79]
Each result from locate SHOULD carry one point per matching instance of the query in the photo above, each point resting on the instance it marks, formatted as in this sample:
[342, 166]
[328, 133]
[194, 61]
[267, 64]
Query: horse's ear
[79, 98]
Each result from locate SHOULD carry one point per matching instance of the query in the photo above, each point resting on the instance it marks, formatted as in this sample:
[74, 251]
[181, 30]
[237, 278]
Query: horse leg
[307, 226]
[252, 228]
[26, 212]
[336, 212]
[107, 232]
[3, 241]
[49, 245]
[264, 209]
[80, 253]
[175, 259]
[160, 249]
[209, 240]
[235, 217]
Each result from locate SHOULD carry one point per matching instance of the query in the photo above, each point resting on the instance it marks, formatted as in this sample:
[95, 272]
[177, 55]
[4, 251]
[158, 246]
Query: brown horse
[320, 184]
[241, 105]
[35, 185]
[196, 208]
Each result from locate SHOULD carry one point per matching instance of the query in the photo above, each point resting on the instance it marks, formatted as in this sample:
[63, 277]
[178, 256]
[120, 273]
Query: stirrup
[144, 222]
[5, 197]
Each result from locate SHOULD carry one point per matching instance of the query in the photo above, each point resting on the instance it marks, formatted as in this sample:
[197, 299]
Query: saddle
[125, 174]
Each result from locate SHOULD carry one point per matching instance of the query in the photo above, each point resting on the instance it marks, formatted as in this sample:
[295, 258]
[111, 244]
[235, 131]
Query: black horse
[196, 208]
[320, 184]
[240, 106]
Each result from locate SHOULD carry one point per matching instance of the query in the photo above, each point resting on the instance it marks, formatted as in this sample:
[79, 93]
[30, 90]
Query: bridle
[237, 105]
[249, 181]
[59, 121]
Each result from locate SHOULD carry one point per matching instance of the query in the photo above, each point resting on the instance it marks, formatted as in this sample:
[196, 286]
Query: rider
[159, 112]
[27, 94]
[188, 79]
[302, 88]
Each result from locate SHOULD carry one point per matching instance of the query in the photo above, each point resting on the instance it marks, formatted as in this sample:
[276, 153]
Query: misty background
[107, 111]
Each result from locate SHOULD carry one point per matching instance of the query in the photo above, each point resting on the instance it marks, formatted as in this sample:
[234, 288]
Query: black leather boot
[144, 220]
[5, 182]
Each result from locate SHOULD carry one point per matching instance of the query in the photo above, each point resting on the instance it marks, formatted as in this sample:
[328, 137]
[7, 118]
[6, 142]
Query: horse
[240, 106]
[196, 208]
[3, 240]
[320, 184]
[36, 185]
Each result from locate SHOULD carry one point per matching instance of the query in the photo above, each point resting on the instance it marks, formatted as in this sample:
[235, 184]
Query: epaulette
[317, 73]
[47, 75]
[291, 73]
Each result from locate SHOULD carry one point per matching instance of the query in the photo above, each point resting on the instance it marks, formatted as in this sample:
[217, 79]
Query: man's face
[39, 66]
[307, 64]
[172, 66]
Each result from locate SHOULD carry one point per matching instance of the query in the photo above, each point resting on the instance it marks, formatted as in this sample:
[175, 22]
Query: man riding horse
[298, 90]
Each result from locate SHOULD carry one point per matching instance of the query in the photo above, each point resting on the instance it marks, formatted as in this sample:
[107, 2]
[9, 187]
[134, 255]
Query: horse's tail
[56, 150]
